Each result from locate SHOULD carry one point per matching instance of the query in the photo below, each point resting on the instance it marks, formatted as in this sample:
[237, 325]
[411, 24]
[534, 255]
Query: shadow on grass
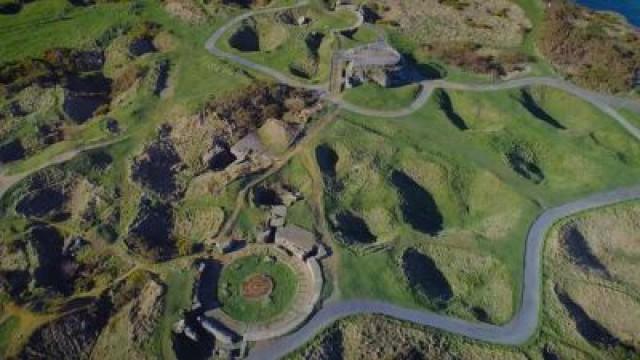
[418, 206]
[529, 103]
[424, 276]
[444, 101]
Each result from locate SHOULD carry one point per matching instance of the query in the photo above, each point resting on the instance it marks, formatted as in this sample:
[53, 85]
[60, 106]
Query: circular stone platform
[257, 288]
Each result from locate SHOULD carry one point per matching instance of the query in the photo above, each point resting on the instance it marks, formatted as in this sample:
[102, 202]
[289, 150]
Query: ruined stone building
[377, 62]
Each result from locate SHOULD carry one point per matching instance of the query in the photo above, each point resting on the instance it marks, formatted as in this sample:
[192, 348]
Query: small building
[377, 62]
[248, 145]
[278, 216]
[300, 242]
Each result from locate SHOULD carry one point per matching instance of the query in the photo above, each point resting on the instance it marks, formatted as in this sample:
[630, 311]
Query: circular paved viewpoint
[306, 294]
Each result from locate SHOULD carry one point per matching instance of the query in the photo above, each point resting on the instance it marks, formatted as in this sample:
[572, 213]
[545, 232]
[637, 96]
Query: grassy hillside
[481, 164]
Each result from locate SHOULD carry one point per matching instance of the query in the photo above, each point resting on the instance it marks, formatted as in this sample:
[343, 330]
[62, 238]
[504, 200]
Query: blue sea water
[629, 8]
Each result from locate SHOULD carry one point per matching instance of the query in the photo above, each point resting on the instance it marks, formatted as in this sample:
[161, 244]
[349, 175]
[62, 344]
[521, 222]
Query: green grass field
[7, 327]
[631, 116]
[239, 307]
[486, 205]
[195, 76]
[372, 96]
[179, 285]
[486, 164]
[45, 24]
[285, 46]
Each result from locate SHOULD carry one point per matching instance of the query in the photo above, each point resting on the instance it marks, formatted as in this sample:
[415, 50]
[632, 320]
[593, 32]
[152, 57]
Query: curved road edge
[604, 102]
[522, 327]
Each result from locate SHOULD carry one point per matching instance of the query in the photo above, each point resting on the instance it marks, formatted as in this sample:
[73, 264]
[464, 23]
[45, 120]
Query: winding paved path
[516, 332]
[525, 322]
[605, 103]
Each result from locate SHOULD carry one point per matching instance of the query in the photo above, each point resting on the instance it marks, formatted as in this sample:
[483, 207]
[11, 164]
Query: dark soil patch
[352, 229]
[330, 347]
[207, 286]
[56, 270]
[84, 95]
[264, 196]
[112, 125]
[87, 61]
[588, 328]
[247, 3]
[578, 249]
[14, 282]
[370, 15]
[221, 157]
[91, 84]
[327, 160]
[162, 70]
[425, 277]
[10, 8]
[141, 46]
[82, 108]
[69, 337]
[156, 169]
[549, 354]
[11, 151]
[418, 206]
[444, 101]
[245, 39]
[50, 134]
[529, 103]
[150, 234]
[187, 349]
[480, 314]
[41, 203]
[524, 166]
[313, 41]
[81, 3]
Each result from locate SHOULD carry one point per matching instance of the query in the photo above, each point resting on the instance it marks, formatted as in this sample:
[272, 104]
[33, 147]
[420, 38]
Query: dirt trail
[7, 181]
[241, 199]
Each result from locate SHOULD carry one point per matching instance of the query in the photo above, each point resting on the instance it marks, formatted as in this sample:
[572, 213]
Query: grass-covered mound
[591, 285]
[375, 97]
[464, 195]
[256, 288]
[280, 42]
